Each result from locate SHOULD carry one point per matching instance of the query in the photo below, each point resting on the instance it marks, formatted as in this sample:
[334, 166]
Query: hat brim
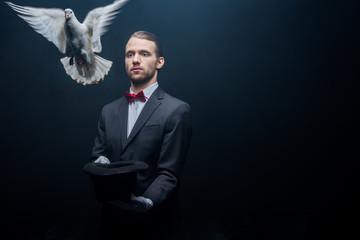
[114, 168]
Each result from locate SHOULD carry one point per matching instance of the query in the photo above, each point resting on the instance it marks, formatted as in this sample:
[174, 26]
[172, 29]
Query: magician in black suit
[149, 125]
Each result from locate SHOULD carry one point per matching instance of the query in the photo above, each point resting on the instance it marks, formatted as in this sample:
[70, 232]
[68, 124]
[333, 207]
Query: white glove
[145, 202]
[102, 160]
[137, 204]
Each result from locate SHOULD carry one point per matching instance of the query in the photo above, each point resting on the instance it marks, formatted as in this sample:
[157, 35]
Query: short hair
[151, 37]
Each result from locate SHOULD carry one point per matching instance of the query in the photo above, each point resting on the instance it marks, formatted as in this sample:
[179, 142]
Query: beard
[140, 79]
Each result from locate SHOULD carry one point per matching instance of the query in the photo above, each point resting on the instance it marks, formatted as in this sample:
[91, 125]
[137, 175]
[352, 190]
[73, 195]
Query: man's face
[141, 62]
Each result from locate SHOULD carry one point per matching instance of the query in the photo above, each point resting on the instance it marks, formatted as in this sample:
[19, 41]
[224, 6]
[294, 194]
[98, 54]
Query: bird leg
[71, 61]
[80, 61]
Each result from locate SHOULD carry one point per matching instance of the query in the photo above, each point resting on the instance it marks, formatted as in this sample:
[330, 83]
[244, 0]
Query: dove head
[68, 13]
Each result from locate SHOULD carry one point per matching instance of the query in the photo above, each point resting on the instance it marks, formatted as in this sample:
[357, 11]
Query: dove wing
[97, 20]
[49, 22]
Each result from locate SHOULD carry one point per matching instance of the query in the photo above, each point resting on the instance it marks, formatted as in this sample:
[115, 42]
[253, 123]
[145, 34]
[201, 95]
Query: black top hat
[114, 181]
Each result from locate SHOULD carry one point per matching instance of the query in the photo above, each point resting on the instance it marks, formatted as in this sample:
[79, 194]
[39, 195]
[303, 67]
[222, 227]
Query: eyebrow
[142, 50]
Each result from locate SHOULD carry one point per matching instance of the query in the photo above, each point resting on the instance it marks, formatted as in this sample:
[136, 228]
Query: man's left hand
[143, 201]
[138, 204]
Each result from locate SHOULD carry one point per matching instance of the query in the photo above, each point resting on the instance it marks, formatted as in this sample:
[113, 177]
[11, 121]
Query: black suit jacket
[160, 137]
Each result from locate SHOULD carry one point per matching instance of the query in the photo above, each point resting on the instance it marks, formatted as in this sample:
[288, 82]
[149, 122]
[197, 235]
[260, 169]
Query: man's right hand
[102, 160]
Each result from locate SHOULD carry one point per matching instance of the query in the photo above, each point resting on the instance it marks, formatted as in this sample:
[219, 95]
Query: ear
[160, 63]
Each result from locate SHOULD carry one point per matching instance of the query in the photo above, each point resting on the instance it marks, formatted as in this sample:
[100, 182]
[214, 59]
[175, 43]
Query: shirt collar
[149, 90]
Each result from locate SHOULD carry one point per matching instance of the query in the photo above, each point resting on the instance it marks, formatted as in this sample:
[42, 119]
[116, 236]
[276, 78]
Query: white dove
[77, 40]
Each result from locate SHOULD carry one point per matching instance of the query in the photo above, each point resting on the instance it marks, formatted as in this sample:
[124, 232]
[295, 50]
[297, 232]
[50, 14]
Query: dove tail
[87, 74]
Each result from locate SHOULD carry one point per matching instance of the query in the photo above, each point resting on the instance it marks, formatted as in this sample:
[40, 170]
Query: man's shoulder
[175, 103]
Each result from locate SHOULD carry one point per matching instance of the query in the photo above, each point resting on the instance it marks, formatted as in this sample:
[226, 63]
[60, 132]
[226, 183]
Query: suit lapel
[152, 104]
[123, 116]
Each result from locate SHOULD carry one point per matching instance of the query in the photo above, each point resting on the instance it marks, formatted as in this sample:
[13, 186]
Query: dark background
[274, 100]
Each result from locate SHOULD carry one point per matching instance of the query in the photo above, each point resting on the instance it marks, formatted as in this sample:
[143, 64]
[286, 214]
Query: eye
[129, 55]
[145, 54]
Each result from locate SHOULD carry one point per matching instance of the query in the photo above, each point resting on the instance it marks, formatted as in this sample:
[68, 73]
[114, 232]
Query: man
[146, 125]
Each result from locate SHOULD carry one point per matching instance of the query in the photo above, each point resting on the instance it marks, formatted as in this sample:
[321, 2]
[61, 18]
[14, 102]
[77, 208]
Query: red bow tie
[131, 97]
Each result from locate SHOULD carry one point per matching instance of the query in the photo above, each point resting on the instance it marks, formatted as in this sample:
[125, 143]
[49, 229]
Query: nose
[136, 59]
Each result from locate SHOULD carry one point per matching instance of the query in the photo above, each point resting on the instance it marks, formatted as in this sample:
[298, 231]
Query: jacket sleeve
[99, 144]
[173, 153]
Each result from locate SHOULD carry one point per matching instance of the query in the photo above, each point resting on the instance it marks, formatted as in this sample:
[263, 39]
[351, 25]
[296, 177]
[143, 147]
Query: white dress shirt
[137, 106]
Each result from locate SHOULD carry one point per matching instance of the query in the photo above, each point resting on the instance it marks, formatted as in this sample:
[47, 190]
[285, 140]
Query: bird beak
[66, 16]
